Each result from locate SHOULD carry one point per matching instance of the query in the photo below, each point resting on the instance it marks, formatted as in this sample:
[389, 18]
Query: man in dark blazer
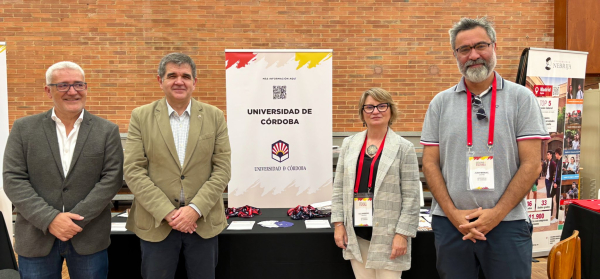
[550, 170]
[555, 192]
[61, 170]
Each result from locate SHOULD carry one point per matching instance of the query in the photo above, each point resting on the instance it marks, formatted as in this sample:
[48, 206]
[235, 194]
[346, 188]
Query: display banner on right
[556, 77]
[5, 204]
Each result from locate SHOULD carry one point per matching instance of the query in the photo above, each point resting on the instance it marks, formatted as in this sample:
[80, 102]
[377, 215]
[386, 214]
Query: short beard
[477, 75]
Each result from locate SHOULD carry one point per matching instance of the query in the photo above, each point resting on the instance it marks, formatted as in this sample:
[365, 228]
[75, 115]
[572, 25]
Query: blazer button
[182, 177]
[176, 200]
[376, 223]
[65, 190]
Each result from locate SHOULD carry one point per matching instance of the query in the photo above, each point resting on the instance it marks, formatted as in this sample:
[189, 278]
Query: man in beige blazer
[177, 164]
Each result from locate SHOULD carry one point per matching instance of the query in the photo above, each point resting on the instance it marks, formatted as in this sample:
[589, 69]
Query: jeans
[94, 266]
[506, 254]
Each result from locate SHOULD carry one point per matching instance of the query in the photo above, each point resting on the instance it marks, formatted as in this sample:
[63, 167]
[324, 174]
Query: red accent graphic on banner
[243, 57]
[542, 90]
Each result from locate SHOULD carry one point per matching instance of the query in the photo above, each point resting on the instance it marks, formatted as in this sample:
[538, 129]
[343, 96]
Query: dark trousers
[506, 253]
[555, 194]
[159, 259]
[549, 185]
[50, 266]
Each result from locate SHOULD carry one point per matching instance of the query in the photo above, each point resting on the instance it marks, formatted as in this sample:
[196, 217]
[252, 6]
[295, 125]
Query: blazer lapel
[84, 131]
[161, 114]
[50, 131]
[194, 132]
[388, 155]
[351, 159]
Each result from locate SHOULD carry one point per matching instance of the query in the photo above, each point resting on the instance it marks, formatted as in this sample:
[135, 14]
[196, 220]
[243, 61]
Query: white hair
[60, 66]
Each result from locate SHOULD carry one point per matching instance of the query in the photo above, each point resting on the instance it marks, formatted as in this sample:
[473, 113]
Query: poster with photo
[569, 189]
[570, 165]
[555, 77]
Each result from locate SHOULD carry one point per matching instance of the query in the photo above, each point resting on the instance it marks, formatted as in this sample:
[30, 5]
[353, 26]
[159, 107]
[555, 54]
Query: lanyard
[361, 161]
[492, 116]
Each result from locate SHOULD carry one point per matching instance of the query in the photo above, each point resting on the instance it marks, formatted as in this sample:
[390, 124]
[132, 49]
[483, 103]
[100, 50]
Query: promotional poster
[5, 204]
[280, 127]
[556, 77]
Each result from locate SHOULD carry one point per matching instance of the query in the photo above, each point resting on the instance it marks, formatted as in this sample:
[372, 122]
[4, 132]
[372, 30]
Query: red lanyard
[361, 161]
[492, 116]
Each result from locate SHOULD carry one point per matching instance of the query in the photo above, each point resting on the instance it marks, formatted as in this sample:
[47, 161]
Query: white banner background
[556, 63]
[549, 107]
[5, 204]
[306, 175]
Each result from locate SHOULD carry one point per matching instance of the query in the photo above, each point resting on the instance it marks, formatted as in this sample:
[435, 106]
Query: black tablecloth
[294, 252]
[587, 222]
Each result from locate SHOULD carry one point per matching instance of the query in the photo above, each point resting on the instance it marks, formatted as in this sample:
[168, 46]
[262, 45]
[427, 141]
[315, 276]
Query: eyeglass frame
[70, 85]
[377, 106]
[487, 45]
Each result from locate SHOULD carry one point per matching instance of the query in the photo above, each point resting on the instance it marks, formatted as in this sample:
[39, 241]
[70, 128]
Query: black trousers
[555, 195]
[159, 259]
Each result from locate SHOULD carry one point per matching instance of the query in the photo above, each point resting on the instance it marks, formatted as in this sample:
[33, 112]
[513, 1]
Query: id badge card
[480, 171]
[363, 210]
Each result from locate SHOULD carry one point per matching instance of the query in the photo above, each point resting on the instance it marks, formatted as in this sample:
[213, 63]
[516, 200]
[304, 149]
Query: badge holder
[480, 170]
[363, 209]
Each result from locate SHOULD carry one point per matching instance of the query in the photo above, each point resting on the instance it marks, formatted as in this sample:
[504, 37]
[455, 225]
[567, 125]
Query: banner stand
[279, 115]
[556, 77]
[5, 204]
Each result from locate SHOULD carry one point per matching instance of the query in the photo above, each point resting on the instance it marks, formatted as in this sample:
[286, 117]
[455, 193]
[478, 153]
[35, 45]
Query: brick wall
[400, 45]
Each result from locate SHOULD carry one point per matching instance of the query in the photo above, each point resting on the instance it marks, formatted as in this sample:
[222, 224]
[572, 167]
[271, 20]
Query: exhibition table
[294, 252]
[587, 222]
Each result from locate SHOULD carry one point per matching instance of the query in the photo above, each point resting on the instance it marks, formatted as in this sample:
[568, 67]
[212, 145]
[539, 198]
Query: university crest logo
[280, 151]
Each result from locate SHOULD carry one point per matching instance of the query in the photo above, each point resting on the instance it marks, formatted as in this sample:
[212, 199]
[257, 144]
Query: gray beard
[477, 75]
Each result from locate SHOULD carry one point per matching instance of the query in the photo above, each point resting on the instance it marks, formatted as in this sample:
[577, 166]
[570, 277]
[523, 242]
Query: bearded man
[482, 141]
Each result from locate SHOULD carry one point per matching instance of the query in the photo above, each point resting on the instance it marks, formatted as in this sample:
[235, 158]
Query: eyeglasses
[381, 107]
[64, 87]
[478, 105]
[464, 50]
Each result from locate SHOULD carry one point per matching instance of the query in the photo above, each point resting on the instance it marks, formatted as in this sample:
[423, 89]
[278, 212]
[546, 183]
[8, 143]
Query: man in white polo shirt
[482, 141]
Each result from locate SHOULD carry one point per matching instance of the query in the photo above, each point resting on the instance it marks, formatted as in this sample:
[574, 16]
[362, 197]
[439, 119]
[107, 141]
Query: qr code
[279, 92]
[555, 91]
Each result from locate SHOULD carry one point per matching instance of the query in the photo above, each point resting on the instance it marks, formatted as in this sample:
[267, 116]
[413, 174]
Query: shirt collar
[460, 87]
[171, 110]
[56, 119]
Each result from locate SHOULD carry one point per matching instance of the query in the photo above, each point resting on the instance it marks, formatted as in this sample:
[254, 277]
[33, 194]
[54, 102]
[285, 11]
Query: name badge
[363, 210]
[481, 172]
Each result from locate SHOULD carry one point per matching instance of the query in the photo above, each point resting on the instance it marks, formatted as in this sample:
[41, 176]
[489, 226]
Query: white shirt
[66, 143]
[180, 126]
[548, 170]
[579, 95]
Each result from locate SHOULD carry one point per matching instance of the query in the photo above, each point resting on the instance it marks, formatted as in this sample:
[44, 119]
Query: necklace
[371, 150]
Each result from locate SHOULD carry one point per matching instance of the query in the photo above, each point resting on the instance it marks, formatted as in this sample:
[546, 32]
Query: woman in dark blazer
[388, 162]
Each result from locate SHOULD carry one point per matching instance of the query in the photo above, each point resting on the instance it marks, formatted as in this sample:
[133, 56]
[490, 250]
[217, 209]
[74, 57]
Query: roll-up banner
[556, 77]
[5, 204]
[279, 115]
